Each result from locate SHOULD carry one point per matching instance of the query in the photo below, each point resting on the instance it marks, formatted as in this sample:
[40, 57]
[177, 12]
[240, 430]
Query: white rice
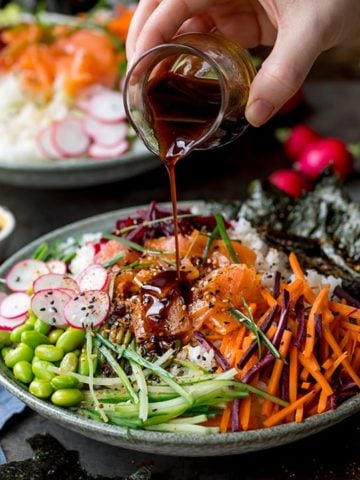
[21, 120]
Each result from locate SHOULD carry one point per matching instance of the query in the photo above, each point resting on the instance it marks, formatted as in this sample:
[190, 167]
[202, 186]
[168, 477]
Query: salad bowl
[151, 441]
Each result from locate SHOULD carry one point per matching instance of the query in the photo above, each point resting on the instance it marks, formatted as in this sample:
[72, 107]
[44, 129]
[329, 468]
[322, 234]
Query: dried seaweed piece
[51, 461]
[322, 227]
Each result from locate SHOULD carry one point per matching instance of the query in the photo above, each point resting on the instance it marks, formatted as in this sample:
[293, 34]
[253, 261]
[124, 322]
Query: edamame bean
[49, 353]
[54, 335]
[42, 327]
[23, 371]
[41, 388]
[4, 352]
[4, 338]
[33, 338]
[71, 339]
[17, 354]
[69, 397]
[64, 381]
[69, 363]
[15, 335]
[41, 370]
[31, 320]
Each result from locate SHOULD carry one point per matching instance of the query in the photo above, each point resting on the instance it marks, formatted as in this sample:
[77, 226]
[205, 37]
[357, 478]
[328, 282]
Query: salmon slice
[112, 248]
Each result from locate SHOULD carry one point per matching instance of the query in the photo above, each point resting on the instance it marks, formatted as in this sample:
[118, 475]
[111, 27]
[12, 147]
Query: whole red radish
[324, 152]
[290, 181]
[300, 137]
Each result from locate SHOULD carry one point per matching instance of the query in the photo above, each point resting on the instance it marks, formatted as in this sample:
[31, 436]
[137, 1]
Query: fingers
[142, 13]
[282, 74]
[154, 25]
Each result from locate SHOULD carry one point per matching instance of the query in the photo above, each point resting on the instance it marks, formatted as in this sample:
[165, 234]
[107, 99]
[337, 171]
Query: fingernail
[258, 111]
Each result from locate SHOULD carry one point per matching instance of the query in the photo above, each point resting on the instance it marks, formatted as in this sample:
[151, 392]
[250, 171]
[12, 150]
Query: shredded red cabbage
[235, 426]
[163, 228]
[219, 358]
[300, 318]
[339, 292]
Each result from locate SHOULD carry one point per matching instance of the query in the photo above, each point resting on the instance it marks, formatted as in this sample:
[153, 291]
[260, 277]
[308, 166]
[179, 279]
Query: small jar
[202, 56]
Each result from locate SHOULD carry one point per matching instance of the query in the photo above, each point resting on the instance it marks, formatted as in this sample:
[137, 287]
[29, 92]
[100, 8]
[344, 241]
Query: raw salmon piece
[112, 248]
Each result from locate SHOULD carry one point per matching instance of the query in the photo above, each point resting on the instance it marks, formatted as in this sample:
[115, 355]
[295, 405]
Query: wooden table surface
[333, 108]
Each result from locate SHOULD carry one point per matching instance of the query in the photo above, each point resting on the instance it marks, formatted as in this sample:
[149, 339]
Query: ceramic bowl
[80, 172]
[156, 442]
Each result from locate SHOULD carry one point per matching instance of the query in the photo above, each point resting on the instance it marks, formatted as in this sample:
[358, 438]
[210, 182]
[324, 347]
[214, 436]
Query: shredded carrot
[299, 414]
[284, 412]
[306, 385]
[273, 386]
[345, 310]
[293, 374]
[245, 411]
[225, 419]
[313, 367]
[317, 307]
[337, 350]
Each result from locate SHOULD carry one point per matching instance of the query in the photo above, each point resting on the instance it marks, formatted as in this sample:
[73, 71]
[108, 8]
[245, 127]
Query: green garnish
[213, 236]
[225, 237]
[133, 245]
[113, 260]
[251, 325]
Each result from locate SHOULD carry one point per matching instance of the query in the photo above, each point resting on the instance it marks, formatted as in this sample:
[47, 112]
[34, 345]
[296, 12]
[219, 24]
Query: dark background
[332, 96]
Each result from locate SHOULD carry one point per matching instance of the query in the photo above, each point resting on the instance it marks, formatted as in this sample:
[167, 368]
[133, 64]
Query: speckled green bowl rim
[156, 442]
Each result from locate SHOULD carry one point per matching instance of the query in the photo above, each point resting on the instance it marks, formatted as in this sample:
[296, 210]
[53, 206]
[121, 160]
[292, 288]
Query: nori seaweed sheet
[322, 227]
[51, 461]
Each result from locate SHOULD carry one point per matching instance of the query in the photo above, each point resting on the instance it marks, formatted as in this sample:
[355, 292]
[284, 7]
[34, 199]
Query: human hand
[299, 30]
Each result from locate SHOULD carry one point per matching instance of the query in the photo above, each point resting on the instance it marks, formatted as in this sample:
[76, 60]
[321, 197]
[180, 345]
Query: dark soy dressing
[183, 109]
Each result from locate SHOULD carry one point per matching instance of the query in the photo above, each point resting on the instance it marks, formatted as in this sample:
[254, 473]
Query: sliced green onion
[133, 245]
[142, 390]
[214, 234]
[120, 373]
[190, 420]
[183, 428]
[113, 260]
[160, 372]
[42, 252]
[255, 330]
[225, 238]
[89, 355]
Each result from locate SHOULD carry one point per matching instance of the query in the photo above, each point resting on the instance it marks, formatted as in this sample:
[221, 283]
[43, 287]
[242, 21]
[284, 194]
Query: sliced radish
[54, 280]
[107, 107]
[21, 276]
[15, 305]
[11, 323]
[3, 295]
[89, 308]
[106, 134]
[48, 305]
[46, 144]
[57, 266]
[100, 152]
[94, 277]
[69, 137]
[82, 100]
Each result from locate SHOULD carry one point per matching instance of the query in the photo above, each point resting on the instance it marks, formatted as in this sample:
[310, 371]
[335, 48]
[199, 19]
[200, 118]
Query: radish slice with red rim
[11, 323]
[57, 266]
[3, 295]
[100, 152]
[21, 276]
[88, 309]
[48, 305]
[107, 107]
[106, 134]
[69, 137]
[94, 277]
[46, 143]
[55, 280]
[15, 305]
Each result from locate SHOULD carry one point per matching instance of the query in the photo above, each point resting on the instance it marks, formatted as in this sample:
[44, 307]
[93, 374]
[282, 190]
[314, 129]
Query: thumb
[282, 74]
